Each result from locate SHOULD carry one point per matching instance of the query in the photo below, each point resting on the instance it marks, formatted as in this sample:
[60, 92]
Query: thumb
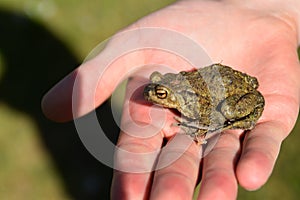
[94, 81]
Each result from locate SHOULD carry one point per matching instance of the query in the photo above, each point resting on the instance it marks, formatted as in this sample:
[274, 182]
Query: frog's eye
[161, 93]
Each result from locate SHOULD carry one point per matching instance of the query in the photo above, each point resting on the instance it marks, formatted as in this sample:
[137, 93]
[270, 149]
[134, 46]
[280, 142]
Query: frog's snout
[148, 90]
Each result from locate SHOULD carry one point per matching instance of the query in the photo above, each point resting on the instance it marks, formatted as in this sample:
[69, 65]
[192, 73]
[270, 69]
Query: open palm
[250, 40]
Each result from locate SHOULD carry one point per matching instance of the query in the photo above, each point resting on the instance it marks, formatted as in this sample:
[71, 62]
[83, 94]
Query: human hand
[260, 40]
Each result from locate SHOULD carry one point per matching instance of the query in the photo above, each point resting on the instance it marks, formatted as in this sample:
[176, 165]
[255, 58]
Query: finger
[134, 161]
[177, 170]
[218, 178]
[262, 144]
[130, 185]
[139, 144]
[260, 151]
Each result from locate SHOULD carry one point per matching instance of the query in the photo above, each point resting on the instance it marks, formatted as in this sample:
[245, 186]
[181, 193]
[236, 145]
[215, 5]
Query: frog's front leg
[194, 129]
[242, 111]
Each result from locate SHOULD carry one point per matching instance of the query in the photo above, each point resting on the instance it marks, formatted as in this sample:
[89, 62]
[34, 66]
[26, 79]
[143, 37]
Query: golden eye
[161, 93]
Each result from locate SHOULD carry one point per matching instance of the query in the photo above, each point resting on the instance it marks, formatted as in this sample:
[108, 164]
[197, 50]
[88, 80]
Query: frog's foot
[200, 139]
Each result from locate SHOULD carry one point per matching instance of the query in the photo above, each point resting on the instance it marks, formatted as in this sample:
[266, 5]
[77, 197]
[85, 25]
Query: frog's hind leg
[246, 108]
[246, 123]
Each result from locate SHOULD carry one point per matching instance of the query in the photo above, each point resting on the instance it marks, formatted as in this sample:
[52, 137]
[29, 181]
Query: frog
[210, 99]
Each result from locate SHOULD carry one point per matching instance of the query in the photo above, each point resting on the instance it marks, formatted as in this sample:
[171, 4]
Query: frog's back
[231, 76]
[219, 81]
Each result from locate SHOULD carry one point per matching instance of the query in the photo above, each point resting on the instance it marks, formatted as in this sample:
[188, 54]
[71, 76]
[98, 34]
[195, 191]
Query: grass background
[40, 42]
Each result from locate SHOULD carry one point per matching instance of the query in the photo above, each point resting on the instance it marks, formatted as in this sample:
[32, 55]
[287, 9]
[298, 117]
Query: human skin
[258, 38]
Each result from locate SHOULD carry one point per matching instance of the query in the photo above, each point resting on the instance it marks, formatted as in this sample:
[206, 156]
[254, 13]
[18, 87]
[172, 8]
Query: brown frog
[211, 99]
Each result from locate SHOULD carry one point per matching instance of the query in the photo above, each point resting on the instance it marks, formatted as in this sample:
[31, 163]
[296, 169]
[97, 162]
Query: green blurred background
[40, 42]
